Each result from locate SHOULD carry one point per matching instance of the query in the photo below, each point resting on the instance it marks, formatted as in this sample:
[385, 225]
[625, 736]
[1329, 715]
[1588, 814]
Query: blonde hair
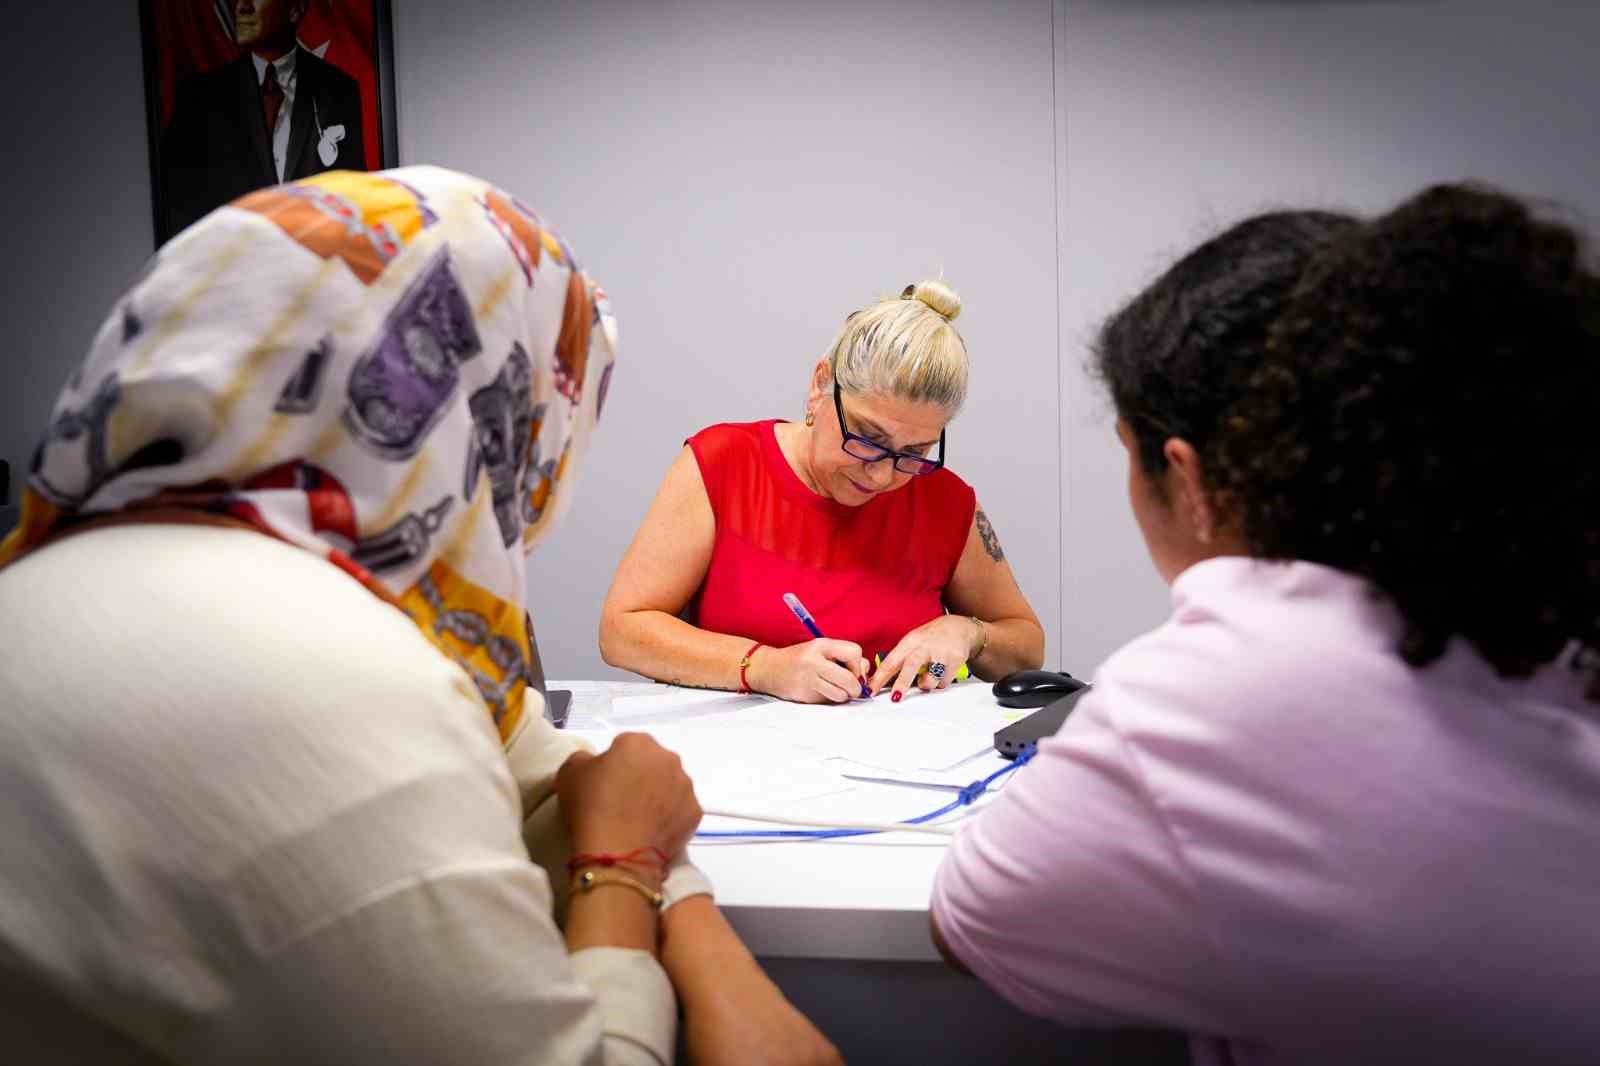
[905, 347]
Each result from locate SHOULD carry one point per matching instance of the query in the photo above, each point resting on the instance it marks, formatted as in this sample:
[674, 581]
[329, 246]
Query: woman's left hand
[947, 639]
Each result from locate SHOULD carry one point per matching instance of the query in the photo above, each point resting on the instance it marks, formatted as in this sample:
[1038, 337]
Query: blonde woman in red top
[853, 511]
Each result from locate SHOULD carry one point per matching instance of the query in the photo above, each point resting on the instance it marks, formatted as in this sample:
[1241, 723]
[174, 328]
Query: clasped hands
[633, 796]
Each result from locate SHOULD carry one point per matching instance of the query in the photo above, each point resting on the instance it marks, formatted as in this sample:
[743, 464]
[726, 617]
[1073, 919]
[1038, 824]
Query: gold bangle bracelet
[589, 880]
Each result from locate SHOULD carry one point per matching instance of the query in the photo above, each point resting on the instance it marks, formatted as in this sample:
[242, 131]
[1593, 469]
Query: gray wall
[741, 174]
[76, 207]
[1177, 118]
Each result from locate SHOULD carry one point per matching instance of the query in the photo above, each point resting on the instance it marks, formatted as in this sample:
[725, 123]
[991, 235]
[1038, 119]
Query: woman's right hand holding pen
[818, 671]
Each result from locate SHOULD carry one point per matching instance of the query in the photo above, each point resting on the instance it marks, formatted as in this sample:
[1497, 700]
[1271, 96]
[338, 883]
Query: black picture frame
[150, 30]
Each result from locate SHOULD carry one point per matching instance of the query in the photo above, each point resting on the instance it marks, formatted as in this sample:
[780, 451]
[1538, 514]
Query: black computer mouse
[1035, 688]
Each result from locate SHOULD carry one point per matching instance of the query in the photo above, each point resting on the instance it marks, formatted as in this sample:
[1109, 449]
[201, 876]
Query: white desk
[842, 926]
[829, 899]
[861, 898]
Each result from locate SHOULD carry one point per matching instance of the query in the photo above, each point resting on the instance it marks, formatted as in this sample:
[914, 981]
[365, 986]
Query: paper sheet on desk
[734, 763]
[925, 731]
[961, 774]
[741, 765]
[678, 705]
[753, 751]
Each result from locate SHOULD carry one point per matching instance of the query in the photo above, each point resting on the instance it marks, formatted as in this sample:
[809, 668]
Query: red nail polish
[896, 697]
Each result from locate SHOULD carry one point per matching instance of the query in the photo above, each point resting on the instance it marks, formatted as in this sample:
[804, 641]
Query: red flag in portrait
[197, 35]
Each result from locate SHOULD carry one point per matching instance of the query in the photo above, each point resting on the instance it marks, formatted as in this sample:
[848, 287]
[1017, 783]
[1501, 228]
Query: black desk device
[557, 702]
[1040, 724]
[1034, 688]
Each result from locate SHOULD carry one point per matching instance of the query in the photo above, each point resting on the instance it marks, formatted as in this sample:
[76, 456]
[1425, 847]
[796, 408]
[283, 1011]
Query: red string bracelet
[648, 856]
[744, 664]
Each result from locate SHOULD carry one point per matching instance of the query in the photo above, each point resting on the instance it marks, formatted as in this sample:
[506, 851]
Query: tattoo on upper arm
[991, 540]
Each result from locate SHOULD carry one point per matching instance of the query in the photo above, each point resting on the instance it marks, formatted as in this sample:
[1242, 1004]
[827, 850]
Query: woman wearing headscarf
[268, 740]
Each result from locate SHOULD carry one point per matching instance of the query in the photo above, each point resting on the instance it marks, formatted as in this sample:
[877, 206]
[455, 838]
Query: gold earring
[810, 418]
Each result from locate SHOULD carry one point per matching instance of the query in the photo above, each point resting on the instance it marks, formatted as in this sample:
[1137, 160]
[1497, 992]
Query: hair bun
[935, 294]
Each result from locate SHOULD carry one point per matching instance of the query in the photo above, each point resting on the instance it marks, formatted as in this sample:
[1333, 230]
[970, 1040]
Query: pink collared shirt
[1265, 829]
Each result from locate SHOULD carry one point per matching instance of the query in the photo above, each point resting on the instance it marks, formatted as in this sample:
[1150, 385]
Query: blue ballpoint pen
[810, 623]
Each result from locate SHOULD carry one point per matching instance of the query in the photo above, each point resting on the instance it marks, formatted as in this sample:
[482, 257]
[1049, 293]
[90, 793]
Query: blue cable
[966, 796]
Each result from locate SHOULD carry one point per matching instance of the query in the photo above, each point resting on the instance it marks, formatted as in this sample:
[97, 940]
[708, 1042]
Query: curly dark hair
[1414, 400]
[1426, 417]
[1178, 355]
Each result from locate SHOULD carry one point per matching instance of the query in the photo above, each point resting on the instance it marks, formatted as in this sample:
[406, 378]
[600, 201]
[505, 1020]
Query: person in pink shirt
[1341, 807]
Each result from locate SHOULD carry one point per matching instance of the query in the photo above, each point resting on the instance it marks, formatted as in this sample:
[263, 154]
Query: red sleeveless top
[868, 574]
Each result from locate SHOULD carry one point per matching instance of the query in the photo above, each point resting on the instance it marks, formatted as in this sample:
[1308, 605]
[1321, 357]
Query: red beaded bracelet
[744, 664]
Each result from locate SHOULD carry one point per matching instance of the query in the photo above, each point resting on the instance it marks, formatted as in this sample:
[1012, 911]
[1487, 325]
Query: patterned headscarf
[397, 371]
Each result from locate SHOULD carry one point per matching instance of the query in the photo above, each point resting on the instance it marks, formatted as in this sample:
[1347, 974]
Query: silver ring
[937, 670]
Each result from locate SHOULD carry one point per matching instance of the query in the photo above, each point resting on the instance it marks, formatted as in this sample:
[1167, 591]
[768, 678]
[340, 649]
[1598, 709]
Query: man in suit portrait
[275, 114]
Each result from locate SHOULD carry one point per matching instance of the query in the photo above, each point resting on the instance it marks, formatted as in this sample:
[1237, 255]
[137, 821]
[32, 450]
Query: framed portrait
[242, 94]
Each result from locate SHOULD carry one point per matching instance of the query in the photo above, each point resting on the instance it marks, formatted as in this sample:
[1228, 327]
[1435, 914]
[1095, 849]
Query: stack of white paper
[756, 753]
[925, 731]
[744, 765]
[674, 704]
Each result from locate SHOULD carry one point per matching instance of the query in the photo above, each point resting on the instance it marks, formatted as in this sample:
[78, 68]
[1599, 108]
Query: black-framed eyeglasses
[868, 451]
